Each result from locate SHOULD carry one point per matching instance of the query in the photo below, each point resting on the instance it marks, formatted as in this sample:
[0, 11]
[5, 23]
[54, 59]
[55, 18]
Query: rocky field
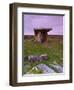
[41, 59]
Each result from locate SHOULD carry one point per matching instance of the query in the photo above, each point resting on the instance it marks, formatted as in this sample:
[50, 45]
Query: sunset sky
[32, 21]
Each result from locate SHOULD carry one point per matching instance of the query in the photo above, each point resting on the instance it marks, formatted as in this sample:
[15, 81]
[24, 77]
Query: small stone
[44, 57]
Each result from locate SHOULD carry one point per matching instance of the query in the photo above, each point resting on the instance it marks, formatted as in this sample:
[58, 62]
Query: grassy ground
[54, 52]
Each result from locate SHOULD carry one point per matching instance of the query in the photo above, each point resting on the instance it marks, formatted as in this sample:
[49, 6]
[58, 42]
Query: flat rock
[45, 68]
[35, 58]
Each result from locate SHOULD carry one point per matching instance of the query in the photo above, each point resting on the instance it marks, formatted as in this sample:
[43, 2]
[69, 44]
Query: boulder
[44, 57]
[34, 58]
[57, 68]
[37, 58]
[45, 68]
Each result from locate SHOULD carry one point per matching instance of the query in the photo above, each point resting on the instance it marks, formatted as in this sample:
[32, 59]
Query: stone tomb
[41, 35]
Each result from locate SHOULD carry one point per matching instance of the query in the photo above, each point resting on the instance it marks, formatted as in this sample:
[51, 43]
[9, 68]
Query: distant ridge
[51, 36]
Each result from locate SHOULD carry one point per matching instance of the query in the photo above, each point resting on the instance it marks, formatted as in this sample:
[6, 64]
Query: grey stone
[44, 57]
[57, 68]
[33, 58]
[45, 68]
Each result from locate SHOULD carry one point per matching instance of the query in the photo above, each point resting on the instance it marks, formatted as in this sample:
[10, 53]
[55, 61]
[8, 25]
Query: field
[54, 50]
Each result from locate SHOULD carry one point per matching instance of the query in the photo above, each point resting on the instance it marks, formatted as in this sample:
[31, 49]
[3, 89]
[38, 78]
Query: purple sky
[43, 21]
